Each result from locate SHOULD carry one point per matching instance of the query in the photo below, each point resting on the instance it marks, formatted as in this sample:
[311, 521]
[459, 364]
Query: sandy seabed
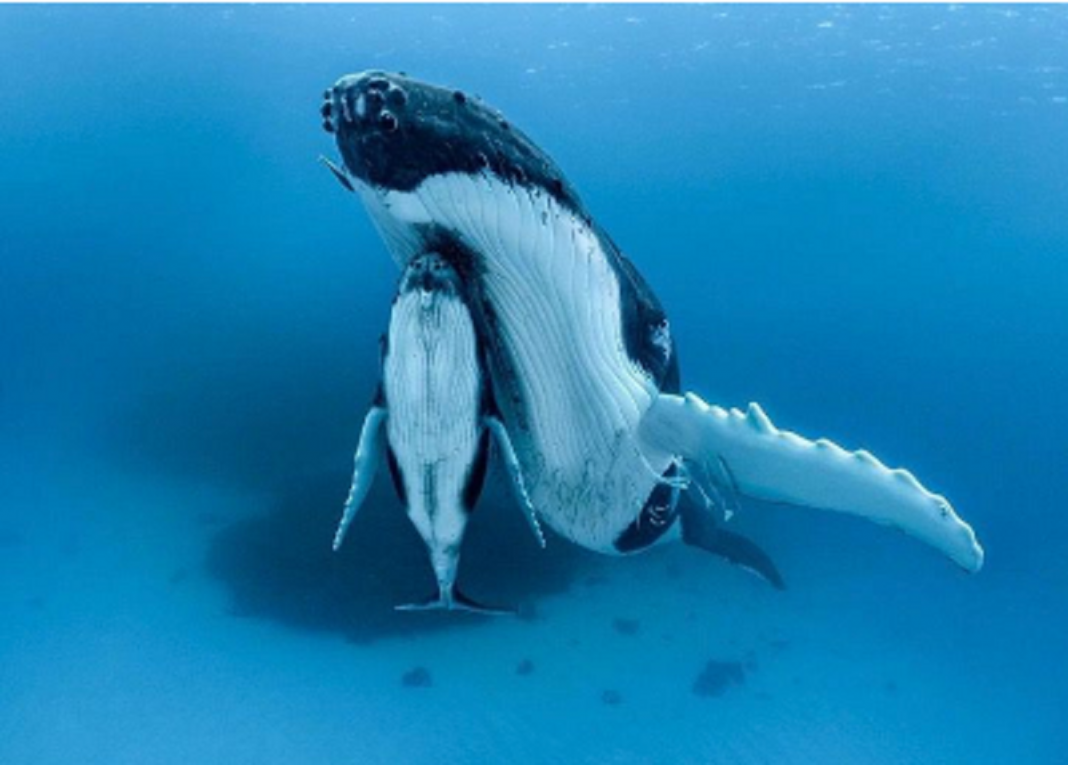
[150, 620]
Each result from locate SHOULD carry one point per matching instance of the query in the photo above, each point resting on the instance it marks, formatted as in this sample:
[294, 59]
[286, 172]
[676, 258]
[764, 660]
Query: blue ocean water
[857, 216]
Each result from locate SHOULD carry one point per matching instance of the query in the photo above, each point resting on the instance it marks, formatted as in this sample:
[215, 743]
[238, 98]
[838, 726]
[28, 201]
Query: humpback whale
[580, 352]
[437, 413]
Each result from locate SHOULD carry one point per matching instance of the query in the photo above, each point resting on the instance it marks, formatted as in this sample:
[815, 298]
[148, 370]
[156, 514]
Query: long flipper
[504, 443]
[368, 454]
[779, 466]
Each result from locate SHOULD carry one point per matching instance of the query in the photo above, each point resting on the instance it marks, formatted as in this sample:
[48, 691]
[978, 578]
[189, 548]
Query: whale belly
[570, 394]
[433, 388]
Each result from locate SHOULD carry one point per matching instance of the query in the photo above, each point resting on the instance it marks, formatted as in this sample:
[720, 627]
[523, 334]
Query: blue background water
[856, 216]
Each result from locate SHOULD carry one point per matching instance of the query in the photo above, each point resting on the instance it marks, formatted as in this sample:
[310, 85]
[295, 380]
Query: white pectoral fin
[778, 466]
[368, 454]
[504, 444]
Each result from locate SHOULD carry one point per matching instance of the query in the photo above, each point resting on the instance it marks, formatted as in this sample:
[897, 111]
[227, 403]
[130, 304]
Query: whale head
[440, 170]
[430, 275]
[395, 132]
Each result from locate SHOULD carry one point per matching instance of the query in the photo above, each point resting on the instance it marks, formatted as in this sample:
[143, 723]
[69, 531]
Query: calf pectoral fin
[368, 454]
[504, 445]
[779, 466]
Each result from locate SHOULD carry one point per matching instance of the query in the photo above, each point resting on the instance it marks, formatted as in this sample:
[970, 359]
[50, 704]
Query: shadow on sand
[279, 419]
[280, 566]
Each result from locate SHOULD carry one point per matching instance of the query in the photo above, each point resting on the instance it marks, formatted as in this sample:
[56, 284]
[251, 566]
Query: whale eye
[459, 97]
[388, 122]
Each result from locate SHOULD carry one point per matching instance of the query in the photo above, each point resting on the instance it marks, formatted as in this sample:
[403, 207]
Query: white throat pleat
[433, 390]
[558, 303]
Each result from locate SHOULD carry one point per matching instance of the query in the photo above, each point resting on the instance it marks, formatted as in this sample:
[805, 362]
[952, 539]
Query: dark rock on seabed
[419, 677]
[717, 677]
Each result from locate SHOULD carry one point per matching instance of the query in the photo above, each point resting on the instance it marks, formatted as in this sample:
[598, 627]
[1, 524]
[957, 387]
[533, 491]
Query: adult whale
[581, 355]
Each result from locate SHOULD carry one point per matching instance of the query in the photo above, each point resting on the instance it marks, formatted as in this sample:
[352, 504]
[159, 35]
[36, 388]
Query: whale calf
[437, 412]
[580, 352]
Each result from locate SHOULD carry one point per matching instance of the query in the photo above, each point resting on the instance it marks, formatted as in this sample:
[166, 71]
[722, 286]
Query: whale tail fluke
[455, 600]
[699, 529]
